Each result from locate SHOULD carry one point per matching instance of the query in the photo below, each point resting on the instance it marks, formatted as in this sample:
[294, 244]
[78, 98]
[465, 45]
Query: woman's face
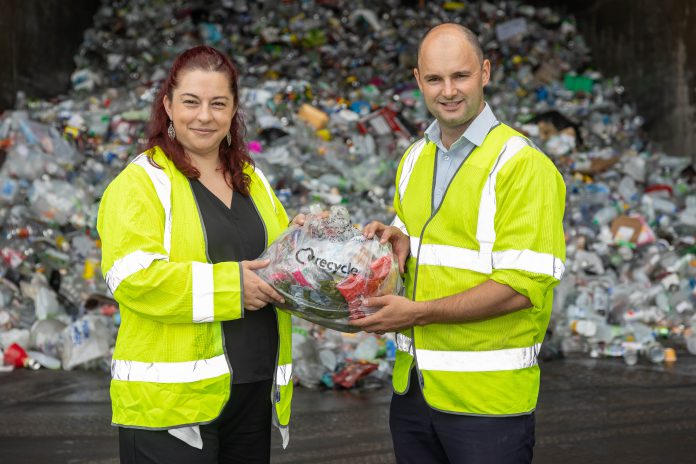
[201, 109]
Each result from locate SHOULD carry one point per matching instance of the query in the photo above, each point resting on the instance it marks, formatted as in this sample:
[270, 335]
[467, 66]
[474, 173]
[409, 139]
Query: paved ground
[590, 412]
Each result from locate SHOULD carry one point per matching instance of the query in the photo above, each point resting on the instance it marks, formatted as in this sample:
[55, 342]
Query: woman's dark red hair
[234, 155]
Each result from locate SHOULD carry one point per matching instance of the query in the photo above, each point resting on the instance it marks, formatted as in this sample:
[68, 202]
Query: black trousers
[422, 435]
[241, 434]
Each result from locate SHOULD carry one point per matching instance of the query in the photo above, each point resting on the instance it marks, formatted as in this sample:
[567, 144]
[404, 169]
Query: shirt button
[446, 158]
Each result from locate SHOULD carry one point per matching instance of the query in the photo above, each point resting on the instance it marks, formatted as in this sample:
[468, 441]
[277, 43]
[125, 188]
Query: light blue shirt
[449, 161]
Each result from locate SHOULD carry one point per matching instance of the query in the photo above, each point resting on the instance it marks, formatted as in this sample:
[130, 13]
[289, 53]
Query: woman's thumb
[256, 264]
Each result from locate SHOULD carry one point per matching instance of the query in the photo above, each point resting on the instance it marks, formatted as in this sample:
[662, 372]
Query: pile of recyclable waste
[331, 104]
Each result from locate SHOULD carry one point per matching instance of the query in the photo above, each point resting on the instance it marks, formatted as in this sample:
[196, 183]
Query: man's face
[451, 79]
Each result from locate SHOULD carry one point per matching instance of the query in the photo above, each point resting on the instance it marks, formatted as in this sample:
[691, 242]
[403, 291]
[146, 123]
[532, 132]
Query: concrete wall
[651, 45]
[38, 39]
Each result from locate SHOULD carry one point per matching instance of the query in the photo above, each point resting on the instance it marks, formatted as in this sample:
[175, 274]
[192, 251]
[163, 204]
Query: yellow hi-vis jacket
[500, 219]
[169, 365]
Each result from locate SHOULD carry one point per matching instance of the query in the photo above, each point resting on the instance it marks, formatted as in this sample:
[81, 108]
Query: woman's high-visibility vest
[169, 365]
[501, 219]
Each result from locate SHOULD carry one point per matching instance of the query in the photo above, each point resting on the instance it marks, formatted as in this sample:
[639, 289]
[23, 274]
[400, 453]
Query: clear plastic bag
[326, 268]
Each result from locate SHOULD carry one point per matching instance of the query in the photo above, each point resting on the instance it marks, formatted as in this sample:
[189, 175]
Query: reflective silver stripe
[268, 188]
[400, 224]
[203, 292]
[409, 164]
[404, 343]
[285, 435]
[485, 231]
[471, 361]
[528, 260]
[478, 361]
[284, 374]
[128, 265]
[169, 372]
[472, 260]
[163, 187]
[451, 256]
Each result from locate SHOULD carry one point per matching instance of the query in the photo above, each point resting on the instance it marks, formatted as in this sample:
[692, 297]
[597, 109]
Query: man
[478, 231]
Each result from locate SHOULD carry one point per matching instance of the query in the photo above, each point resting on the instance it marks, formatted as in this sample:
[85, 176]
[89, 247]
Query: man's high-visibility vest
[501, 219]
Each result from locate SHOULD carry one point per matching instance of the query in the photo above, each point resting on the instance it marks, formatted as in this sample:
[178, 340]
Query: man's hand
[393, 313]
[400, 242]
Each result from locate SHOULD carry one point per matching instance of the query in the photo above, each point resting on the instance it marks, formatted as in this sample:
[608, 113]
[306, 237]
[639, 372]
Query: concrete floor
[590, 412]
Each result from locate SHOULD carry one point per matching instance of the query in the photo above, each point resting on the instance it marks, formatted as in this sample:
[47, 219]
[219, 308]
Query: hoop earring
[171, 132]
[228, 137]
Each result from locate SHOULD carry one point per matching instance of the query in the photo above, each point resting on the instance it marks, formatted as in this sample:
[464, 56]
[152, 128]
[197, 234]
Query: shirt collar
[475, 133]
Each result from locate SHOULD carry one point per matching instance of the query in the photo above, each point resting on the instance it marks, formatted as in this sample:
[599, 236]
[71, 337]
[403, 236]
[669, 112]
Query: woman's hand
[257, 293]
[300, 219]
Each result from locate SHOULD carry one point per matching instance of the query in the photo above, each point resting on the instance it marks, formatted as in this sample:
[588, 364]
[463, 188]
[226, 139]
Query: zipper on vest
[200, 218]
[434, 211]
[227, 358]
[415, 358]
[413, 297]
[207, 257]
[265, 230]
[265, 240]
[275, 391]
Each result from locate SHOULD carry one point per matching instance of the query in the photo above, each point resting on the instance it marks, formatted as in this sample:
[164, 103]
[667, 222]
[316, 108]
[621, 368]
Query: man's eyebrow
[453, 73]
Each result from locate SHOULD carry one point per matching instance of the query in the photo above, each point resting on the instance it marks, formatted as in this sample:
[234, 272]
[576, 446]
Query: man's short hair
[468, 33]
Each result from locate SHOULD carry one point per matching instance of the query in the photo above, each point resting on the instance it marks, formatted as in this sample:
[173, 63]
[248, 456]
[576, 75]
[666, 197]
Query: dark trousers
[422, 435]
[241, 434]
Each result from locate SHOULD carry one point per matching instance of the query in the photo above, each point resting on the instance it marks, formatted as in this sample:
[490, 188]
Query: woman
[202, 361]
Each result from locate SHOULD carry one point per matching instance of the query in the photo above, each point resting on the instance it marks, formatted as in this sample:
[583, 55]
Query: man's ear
[486, 72]
[416, 74]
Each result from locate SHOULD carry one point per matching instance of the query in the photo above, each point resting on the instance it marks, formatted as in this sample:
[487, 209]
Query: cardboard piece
[626, 229]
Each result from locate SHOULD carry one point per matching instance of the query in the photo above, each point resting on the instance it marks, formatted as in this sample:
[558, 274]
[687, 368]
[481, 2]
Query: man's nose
[449, 91]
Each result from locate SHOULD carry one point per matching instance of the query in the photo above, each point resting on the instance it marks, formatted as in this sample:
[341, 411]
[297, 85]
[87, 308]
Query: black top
[238, 234]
